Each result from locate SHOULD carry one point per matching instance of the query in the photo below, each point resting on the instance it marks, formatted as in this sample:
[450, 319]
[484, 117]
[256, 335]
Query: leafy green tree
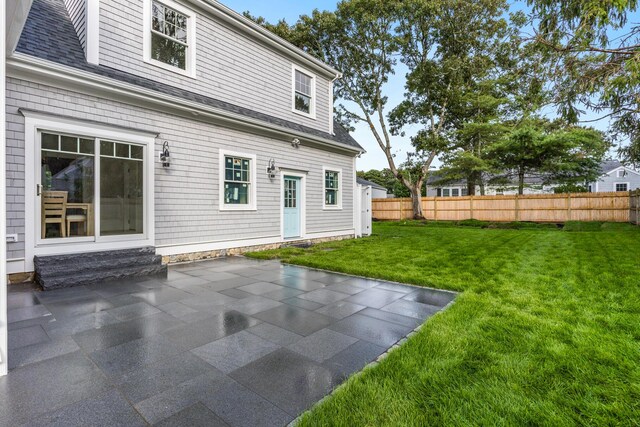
[569, 156]
[592, 49]
[452, 50]
[386, 179]
[445, 44]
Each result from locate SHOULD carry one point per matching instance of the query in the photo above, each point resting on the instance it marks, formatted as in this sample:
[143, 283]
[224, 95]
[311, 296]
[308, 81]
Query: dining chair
[76, 218]
[54, 210]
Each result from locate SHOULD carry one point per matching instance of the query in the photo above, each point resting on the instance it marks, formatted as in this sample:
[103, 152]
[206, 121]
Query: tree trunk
[482, 189]
[521, 182]
[416, 202]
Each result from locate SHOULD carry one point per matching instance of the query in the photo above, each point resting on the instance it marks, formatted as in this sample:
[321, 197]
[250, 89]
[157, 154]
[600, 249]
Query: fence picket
[612, 207]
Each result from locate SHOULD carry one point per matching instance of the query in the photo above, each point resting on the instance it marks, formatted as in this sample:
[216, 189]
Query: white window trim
[312, 113]
[37, 122]
[450, 191]
[337, 207]
[615, 185]
[253, 190]
[190, 70]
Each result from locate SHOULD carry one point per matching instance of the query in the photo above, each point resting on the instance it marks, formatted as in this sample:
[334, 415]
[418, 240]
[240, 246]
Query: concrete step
[58, 282]
[62, 271]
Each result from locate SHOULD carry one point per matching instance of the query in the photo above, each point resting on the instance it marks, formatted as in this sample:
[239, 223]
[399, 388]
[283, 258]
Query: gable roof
[610, 165]
[50, 35]
[363, 181]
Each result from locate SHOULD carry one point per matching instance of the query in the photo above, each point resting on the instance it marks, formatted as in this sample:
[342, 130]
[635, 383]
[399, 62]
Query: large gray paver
[225, 342]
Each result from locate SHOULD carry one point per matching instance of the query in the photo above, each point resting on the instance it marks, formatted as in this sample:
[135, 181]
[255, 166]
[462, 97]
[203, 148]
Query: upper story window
[304, 88]
[170, 36]
[622, 173]
[238, 181]
[332, 189]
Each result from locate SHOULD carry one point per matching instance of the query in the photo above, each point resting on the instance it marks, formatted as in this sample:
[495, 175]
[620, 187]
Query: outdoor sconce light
[165, 158]
[295, 143]
[271, 169]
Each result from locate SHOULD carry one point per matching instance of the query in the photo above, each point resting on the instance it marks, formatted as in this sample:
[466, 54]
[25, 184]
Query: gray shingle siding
[76, 9]
[63, 47]
[230, 66]
[607, 182]
[186, 195]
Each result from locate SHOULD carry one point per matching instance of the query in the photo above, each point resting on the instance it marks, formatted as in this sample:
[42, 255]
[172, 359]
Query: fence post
[471, 206]
[517, 208]
[435, 208]
[569, 207]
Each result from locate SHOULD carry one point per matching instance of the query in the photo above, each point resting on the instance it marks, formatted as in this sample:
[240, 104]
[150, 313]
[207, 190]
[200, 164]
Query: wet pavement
[233, 341]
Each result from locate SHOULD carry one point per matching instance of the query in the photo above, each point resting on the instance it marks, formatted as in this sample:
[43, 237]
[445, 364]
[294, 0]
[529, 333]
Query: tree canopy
[592, 50]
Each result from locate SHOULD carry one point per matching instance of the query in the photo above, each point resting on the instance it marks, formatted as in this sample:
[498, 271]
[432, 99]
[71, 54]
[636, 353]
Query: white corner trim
[4, 334]
[92, 16]
[314, 78]
[190, 68]
[253, 181]
[337, 207]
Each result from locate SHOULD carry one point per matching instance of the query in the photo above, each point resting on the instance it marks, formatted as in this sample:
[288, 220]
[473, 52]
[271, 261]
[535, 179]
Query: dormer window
[170, 36]
[304, 88]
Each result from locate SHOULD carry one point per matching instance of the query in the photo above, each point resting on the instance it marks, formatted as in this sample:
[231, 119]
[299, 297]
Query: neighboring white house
[176, 125]
[615, 177]
[532, 185]
[377, 190]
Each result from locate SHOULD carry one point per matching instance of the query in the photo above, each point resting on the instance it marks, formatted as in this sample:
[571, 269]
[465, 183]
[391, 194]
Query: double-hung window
[170, 36]
[332, 189]
[238, 174]
[622, 186]
[303, 92]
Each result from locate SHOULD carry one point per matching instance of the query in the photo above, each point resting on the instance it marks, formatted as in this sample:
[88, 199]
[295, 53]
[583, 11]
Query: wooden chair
[54, 211]
[79, 218]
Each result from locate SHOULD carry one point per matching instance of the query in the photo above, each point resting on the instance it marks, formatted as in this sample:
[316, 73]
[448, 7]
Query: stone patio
[231, 342]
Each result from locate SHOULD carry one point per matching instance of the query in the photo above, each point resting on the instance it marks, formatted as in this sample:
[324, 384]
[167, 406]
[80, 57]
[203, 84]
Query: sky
[274, 10]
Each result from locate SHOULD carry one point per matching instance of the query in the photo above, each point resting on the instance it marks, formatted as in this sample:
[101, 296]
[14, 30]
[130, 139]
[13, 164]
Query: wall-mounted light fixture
[271, 169]
[295, 143]
[165, 157]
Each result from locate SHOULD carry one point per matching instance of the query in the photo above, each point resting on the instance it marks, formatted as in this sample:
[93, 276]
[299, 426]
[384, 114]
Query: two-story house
[173, 124]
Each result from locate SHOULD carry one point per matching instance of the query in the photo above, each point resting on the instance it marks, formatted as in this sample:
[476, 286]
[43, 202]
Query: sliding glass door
[89, 188]
[121, 188]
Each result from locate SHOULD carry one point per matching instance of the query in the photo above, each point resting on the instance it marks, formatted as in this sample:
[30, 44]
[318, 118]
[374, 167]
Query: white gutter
[246, 25]
[23, 66]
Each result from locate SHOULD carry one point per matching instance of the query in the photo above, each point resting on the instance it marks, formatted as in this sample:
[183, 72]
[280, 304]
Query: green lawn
[546, 330]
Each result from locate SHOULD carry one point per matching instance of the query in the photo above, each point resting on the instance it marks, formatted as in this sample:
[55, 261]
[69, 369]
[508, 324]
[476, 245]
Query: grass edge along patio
[544, 331]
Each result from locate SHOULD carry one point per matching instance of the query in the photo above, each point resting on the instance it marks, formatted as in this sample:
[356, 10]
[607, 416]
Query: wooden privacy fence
[611, 207]
[634, 207]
